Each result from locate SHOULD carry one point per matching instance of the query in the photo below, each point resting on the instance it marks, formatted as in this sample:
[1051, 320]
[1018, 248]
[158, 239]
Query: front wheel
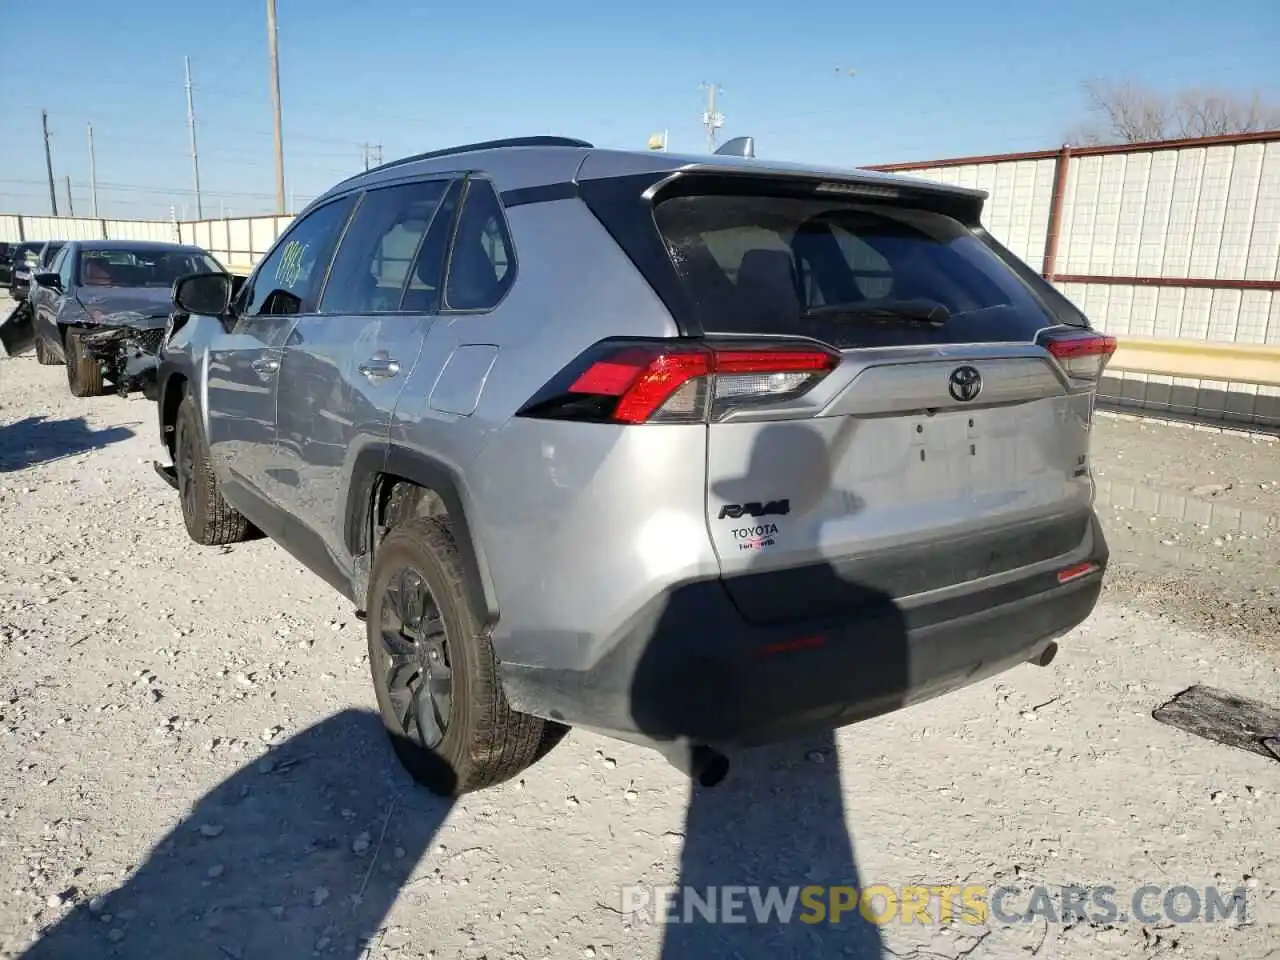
[84, 374]
[44, 355]
[434, 671]
[209, 519]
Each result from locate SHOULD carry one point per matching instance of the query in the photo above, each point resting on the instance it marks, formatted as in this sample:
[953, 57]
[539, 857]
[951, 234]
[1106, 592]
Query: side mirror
[208, 294]
[50, 280]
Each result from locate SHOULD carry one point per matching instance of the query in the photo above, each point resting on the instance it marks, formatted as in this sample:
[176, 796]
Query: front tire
[84, 374]
[209, 519]
[434, 671]
[44, 355]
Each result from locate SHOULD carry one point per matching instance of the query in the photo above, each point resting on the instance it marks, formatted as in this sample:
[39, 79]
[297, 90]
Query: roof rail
[540, 141]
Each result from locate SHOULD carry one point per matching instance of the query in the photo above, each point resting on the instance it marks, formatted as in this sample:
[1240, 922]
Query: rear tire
[84, 374]
[209, 519]
[439, 693]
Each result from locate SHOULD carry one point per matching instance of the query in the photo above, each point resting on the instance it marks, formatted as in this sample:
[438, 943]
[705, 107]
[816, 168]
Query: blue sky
[934, 78]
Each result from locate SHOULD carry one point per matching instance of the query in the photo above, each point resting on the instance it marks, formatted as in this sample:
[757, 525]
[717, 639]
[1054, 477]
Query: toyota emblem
[965, 384]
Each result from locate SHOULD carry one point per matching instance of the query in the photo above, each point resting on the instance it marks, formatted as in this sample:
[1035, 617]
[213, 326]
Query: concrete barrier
[1226, 362]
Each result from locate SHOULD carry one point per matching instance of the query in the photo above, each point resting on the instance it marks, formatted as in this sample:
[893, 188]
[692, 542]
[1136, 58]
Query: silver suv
[700, 452]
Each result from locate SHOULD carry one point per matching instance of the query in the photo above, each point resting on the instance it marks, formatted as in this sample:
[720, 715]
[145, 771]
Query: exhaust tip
[1046, 656]
[705, 765]
[711, 768]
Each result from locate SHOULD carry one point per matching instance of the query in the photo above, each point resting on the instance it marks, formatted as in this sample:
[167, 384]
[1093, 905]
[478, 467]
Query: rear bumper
[695, 670]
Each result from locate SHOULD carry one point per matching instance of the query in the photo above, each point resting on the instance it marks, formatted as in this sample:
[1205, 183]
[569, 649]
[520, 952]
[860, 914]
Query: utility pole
[48, 162]
[275, 103]
[191, 127]
[711, 118]
[93, 174]
[71, 209]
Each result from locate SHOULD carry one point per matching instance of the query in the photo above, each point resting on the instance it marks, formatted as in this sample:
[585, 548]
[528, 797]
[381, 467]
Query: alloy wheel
[184, 467]
[419, 679]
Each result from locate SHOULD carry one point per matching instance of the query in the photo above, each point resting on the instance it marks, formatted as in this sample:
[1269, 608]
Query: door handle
[377, 367]
[265, 366]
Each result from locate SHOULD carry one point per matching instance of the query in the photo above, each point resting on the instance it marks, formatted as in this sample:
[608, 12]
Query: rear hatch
[916, 418]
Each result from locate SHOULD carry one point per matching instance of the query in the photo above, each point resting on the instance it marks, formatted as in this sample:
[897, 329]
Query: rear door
[944, 446]
[344, 366]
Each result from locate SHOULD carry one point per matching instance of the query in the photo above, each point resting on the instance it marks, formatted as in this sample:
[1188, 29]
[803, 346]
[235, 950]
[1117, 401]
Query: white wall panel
[1182, 213]
[1106, 220]
[1224, 315]
[1129, 220]
[1079, 215]
[1017, 210]
[1210, 211]
[1251, 325]
[1239, 216]
[1264, 237]
[165, 232]
[61, 228]
[1157, 205]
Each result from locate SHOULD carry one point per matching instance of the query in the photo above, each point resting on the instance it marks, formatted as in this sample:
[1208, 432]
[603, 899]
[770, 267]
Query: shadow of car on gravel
[265, 867]
[37, 440]
[303, 851]
[778, 820]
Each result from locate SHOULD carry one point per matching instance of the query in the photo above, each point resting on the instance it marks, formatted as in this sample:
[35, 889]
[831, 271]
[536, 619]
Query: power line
[108, 186]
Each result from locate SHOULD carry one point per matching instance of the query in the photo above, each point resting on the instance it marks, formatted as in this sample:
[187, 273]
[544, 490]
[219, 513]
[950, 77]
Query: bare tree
[1128, 112]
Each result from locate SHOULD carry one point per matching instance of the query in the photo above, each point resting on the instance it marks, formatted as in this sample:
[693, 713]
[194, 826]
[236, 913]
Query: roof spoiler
[738, 147]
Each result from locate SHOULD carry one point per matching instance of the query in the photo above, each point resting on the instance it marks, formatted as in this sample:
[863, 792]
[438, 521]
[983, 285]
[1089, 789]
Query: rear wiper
[914, 311]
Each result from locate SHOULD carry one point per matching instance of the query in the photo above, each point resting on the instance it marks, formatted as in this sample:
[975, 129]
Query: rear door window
[850, 274]
[481, 259]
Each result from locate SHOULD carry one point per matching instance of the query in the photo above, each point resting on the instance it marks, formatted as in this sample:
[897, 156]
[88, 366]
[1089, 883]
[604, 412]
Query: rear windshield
[141, 268]
[850, 274]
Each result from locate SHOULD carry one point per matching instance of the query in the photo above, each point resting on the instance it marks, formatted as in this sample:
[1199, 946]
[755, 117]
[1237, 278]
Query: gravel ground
[192, 767]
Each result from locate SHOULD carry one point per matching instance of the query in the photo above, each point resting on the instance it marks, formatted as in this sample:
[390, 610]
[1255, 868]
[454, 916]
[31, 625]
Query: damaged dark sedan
[102, 309]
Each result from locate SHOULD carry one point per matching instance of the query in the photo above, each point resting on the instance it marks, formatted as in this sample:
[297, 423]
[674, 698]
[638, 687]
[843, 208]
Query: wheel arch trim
[378, 461]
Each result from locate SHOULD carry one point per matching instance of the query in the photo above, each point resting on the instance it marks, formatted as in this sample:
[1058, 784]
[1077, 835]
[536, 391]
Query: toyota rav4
[700, 452]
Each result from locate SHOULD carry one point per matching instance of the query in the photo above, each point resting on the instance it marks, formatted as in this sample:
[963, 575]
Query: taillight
[670, 381]
[1083, 354]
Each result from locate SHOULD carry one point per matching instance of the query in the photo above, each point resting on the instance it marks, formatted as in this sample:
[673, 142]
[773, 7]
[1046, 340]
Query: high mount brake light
[672, 382]
[1083, 355]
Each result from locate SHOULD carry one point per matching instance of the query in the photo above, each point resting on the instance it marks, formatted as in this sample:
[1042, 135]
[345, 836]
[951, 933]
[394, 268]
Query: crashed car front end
[126, 344]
